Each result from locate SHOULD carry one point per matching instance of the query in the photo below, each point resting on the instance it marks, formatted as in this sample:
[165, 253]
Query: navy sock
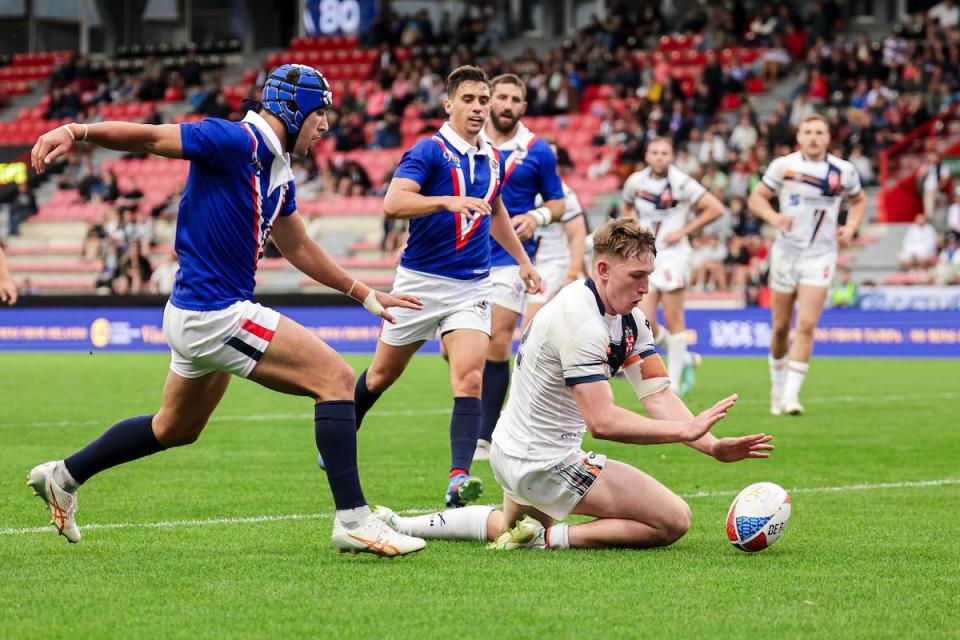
[125, 441]
[335, 428]
[496, 379]
[464, 429]
[363, 397]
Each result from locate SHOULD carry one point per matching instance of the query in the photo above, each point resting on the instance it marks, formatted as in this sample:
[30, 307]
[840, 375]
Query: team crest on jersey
[666, 198]
[494, 166]
[629, 338]
[833, 181]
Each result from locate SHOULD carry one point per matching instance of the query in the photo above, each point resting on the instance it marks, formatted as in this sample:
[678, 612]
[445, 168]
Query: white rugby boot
[387, 516]
[526, 534]
[62, 503]
[373, 536]
[776, 404]
[792, 408]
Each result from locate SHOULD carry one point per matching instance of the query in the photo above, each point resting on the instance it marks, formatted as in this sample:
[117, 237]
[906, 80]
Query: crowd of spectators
[874, 92]
[124, 236]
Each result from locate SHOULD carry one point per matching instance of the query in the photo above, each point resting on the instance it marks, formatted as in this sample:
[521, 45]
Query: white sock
[465, 523]
[350, 518]
[558, 536]
[676, 356]
[778, 375]
[660, 336]
[796, 372]
[61, 475]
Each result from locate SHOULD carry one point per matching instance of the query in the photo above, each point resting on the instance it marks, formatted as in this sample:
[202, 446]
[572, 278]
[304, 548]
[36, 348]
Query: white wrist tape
[66, 128]
[542, 215]
[371, 304]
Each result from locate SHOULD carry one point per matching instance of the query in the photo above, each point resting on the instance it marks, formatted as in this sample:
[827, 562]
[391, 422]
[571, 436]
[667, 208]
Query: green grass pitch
[872, 549]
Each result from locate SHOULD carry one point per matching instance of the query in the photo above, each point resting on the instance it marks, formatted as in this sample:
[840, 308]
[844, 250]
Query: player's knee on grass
[674, 523]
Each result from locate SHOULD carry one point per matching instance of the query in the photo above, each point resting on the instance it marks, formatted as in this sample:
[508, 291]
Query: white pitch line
[176, 524]
[388, 413]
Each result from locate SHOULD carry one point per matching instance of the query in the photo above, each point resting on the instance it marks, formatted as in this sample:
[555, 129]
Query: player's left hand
[844, 237]
[530, 278]
[8, 291]
[734, 449]
[524, 225]
[675, 237]
[404, 300]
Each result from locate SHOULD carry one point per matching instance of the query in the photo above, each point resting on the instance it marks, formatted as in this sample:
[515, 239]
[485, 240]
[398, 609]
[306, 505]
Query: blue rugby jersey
[445, 243]
[240, 181]
[530, 169]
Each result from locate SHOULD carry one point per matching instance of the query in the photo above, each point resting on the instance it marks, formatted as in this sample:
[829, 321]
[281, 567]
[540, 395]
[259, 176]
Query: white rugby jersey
[663, 204]
[552, 245]
[572, 340]
[811, 194]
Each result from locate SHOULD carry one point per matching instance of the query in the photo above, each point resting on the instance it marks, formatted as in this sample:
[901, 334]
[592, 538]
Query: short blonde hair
[624, 238]
[819, 117]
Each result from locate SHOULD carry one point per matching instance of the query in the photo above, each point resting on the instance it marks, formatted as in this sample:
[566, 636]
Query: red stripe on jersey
[456, 182]
[256, 221]
[256, 201]
[258, 330]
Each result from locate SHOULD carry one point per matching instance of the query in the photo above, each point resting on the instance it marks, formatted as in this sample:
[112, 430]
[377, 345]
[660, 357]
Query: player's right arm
[160, 139]
[649, 380]
[759, 200]
[404, 201]
[607, 421]
[8, 288]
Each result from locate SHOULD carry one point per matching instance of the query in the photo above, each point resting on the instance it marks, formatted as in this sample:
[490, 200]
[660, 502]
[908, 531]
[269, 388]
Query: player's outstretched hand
[473, 208]
[8, 291]
[696, 428]
[524, 225]
[530, 278]
[49, 147]
[404, 300]
[783, 223]
[734, 449]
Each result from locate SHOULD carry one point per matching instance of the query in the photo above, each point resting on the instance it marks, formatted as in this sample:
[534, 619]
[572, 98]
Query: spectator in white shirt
[744, 136]
[946, 14]
[919, 244]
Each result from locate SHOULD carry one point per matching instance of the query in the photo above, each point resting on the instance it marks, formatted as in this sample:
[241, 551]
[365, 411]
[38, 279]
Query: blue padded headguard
[292, 92]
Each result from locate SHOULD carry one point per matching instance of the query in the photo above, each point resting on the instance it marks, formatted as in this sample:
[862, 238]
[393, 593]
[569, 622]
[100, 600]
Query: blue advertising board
[842, 332]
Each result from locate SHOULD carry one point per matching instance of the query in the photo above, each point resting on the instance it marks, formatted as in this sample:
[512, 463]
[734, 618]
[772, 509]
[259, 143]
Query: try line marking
[435, 411]
[177, 524]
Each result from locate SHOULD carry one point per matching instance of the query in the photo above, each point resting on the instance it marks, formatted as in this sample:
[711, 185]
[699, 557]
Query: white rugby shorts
[671, 271]
[554, 487]
[232, 339]
[552, 274]
[508, 289]
[790, 268]
[448, 304]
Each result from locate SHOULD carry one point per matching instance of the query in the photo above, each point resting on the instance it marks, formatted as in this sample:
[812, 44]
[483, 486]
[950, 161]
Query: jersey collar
[280, 171]
[463, 147]
[519, 141]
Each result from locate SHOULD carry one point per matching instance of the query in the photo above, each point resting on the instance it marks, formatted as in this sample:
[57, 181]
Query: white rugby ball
[758, 516]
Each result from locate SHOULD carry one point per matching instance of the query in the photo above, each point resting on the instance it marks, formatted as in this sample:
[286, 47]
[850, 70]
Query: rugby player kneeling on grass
[560, 388]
